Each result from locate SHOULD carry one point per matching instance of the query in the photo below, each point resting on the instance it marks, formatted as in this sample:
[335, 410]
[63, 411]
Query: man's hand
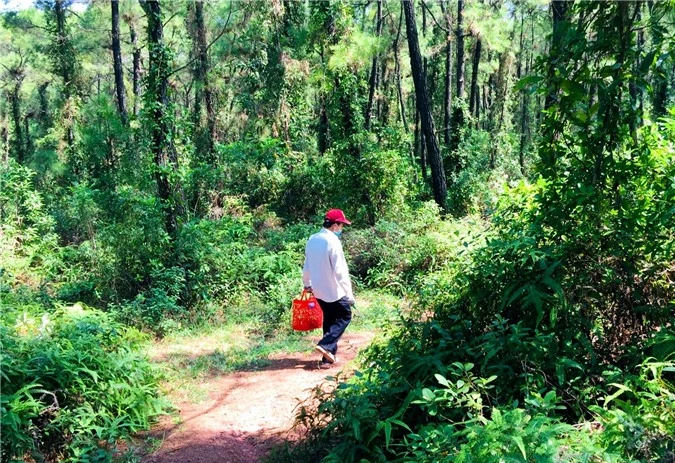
[351, 301]
[308, 289]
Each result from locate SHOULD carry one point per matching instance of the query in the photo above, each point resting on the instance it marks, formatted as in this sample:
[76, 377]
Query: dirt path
[247, 413]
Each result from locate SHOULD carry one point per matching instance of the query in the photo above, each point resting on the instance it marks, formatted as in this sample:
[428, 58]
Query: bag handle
[306, 295]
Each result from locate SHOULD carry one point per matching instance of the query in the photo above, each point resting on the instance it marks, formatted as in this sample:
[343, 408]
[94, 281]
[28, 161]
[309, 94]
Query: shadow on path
[225, 447]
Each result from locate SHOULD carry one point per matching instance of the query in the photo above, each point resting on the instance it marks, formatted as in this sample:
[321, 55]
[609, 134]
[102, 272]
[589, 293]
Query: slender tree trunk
[4, 138]
[640, 43]
[322, 132]
[64, 59]
[485, 106]
[18, 144]
[522, 43]
[43, 113]
[458, 117]
[65, 64]
[559, 9]
[399, 92]
[383, 103]
[26, 130]
[397, 70]
[435, 160]
[373, 82]
[473, 98]
[460, 49]
[660, 77]
[499, 106]
[524, 129]
[478, 107]
[117, 61]
[425, 63]
[202, 84]
[136, 64]
[521, 54]
[447, 96]
[633, 90]
[159, 111]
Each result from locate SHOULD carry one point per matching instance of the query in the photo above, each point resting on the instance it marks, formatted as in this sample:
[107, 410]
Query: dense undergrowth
[549, 338]
[239, 266]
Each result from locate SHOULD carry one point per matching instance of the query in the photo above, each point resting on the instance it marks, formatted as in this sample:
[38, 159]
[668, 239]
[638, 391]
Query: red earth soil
[248, 412]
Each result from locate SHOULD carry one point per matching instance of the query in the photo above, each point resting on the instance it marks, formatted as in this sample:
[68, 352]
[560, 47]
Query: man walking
[325, 273]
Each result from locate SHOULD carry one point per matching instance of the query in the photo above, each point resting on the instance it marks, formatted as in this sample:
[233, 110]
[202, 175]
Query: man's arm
[342, 273]
[306, 281]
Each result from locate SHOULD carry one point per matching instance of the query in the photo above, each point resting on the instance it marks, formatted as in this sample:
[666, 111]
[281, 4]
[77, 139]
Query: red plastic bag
[307, 314]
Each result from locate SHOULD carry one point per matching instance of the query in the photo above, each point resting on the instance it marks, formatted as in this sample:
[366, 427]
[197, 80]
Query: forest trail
[248, 412]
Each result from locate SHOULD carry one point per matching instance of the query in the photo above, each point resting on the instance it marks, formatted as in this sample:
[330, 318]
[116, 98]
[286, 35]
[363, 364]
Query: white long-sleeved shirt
[325, 268]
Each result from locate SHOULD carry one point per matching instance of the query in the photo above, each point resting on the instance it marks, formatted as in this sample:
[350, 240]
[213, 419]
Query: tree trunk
[660, 76]
[65, 66]
[43, 113]
[460, 49]
[136, 66]
[500, 103]
[65, 61]
[383, 102]
[458, 112]
[473, 98]
[26, 135]
[4, 146]
[159, 111]
[435, 160]
[484, 106]
[117, 61]
[18, 144]
[202, 85]
[322, 132]
[521, 50]
[373, 82]
[399, 93]
[559, 9]
[524, 129]
[397, 70]
[447, 96]
[478, 107]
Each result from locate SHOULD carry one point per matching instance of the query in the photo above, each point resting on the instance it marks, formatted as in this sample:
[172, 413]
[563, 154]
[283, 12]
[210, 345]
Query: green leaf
[573, 89]
[401, 424]
[622, 388]
[521, 445]
[528, 81]
[387, 433]
[428, 395]
[441, 379]
[647, 61]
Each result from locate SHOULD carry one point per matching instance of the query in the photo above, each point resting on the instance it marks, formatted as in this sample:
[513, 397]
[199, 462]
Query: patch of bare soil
[247, 413]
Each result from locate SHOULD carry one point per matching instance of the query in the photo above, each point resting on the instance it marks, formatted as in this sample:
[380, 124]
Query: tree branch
[220, 34]
[426, 7]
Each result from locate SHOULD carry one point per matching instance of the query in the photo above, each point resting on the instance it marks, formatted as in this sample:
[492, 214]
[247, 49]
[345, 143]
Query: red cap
[336, 215]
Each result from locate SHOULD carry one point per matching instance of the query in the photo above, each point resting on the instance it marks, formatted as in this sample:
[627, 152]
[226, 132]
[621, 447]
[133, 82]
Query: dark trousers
[336, 317]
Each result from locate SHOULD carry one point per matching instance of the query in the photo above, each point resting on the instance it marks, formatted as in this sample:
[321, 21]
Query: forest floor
[239, 417]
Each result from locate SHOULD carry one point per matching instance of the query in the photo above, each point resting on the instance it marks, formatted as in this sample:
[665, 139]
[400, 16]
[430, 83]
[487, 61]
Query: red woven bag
[307, 315]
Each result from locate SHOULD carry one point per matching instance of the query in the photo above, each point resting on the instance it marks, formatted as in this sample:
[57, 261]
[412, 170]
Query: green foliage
[73, 384]
[257, 170]
[555, 316]
[28, 245]
[559, 291]
[396, 252]
[638, 417]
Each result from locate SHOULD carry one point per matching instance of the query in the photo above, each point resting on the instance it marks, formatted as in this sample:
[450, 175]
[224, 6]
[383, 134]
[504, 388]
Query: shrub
[73, 384]
[563, 294]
